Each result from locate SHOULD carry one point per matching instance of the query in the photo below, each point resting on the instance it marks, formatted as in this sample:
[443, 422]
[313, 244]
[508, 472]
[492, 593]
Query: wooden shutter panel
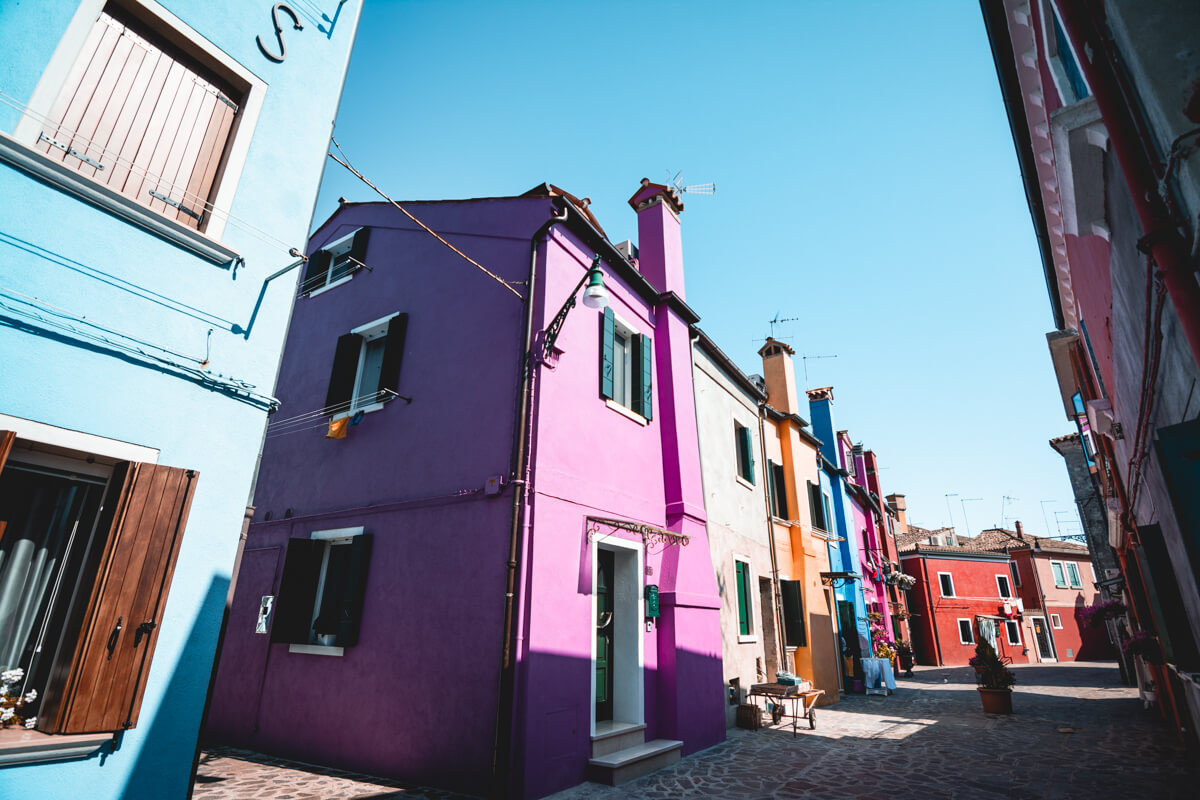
[1179, 457]
[297, 591]
[358, 249]
[746, 443]
[743, 598]
[772, 489]
[345, 370]
[393, 353]
[816, 506]
[645, 398]
[608, 335]
[314, 275]
[109, 665]
[780, 480]
[353, 590]
[792, 595]
[6, 445]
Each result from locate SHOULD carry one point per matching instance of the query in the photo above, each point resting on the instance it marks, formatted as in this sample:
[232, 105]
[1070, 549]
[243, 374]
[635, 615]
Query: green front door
[604, 635]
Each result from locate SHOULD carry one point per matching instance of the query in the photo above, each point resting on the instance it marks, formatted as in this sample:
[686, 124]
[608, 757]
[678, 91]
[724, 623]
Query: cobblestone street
[1076, 732]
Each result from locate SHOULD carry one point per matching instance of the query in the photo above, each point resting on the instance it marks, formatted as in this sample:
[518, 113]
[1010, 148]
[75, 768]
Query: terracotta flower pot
[995, 701]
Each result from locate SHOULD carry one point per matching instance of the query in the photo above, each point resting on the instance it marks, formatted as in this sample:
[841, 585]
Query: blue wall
[125, 280]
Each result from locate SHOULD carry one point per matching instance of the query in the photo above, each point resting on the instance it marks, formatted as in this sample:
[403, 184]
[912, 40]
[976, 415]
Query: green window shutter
[747, 445]
[645, 397]
[345, 370]
[1060, 578]
[297, 591]
[792, 595]
[607, 343]
[743, 598]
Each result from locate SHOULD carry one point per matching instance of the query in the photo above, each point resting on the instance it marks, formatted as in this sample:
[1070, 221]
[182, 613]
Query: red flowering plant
[1143, 644]
[1094, 616]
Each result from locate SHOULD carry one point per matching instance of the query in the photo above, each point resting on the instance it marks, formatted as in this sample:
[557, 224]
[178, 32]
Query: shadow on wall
[1094, 642]
[163, 767]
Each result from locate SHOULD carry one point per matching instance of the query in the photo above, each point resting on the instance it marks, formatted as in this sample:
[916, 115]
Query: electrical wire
[346, 163]
[293, 424]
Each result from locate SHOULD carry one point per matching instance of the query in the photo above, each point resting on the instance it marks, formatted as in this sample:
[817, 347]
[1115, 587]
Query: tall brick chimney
[897, 503]
[660, 244]
[780, 376]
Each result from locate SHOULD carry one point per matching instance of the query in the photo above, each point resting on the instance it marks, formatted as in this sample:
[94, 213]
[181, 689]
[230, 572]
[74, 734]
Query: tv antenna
[676, 182]
[780, 321]
[1004, 501]
[804, 359]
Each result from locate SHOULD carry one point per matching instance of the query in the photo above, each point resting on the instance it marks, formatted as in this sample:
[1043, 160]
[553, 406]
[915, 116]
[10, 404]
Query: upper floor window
[744, 444]
[366, 366]
[1064, 66]
[816, 506]
[336, 262]
[1016, 573]
[626, 366]
[1066, 575]
[147, 113]
[947, 584]
[778, 487]
[1003, 587]
[1073, 575]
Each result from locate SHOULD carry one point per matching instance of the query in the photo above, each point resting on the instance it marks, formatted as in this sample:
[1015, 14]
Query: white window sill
[328, 286]
[744, 482]
[315, 649]
[62, 177]
[751, 639]
[625, 412]
[364, 409]
[19, 746]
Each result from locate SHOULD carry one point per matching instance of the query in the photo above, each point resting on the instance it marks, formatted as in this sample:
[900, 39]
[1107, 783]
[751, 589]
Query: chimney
[897, 503]
[660, 243]
[1020, 530]
[780, 376]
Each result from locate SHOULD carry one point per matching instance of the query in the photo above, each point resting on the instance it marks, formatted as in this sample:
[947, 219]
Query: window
[744, 442]
[965, 634]
[794, 629]
[816, 508]
[947, 582]
[848, 458]
[745, 616]
[1016, 573]
[626, 366]
[1002, 585]
[321, 590]
[1060, 578]
[147, 113]
[1092, 567]
[778, 486]
[1055, 621]
[366, 367]
[1064, 67]
[89, 548]
[1012, 631]
[335, 262]
[1073, 575]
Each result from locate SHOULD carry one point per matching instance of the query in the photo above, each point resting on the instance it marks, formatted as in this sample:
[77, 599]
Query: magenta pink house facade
[498, 577]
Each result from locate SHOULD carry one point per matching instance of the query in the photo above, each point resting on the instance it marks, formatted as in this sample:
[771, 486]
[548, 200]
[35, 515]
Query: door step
[613, 736]
[634, 762]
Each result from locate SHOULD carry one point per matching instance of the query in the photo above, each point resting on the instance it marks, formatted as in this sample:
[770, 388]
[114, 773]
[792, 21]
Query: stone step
[634, 762]
[613, 736]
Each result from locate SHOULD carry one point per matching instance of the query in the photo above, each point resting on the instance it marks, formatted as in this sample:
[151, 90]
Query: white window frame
[338, 249]
[941, 586]
[371, 332]
[1010, 626]
[333, 537]
[737, 467]
[58, 70]
[1056, 622]
[623, 405]
[1061, 569]
[970, 630]
[1058, 72]
[1005, 594]
[752, 637]
[1073, 570]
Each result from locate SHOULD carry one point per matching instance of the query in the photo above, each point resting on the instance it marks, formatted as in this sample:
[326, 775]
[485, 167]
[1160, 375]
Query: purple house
[478, 558]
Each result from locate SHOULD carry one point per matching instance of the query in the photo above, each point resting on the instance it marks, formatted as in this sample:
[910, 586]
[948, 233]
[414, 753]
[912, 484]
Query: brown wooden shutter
[139, 116]
[6, 444]
[110, 661]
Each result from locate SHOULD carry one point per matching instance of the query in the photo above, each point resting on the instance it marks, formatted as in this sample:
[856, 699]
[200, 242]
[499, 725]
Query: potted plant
[995, 680]
[1096, 615]
[904, 652]
[1143, 644]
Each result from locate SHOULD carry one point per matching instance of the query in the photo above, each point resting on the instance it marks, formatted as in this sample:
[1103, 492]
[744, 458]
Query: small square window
[965, 633]
[1003, 586]
[1013, 631]
[1055, 621]
[947, 583]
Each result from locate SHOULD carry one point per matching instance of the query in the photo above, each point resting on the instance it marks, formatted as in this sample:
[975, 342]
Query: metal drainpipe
[937, 640]
[762, 446]
[1136, 156]
[502, 753]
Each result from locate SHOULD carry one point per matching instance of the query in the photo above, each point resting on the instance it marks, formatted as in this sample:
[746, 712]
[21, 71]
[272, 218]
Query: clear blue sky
[866, 184]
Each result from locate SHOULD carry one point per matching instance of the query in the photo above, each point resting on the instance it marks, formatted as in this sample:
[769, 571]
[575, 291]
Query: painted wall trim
[77, 440]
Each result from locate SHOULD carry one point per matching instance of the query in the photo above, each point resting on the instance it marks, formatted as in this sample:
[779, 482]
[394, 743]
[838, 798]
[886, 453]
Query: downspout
[522, 432]
[762, 446]
[937, 638]
[1162, 240]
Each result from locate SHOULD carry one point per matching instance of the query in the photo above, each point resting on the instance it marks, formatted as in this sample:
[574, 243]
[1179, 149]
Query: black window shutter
[792, 594]
[353, 589]
[780, 480]
[608, 335]
[345, 370]
[314, 276]
[772, 489]
[816, 507]
[646, 395]
[393, 353]
[297, 591]
[358, 249]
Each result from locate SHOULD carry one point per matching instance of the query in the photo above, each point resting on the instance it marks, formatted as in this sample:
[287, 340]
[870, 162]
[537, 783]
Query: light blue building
[843, 554]
[158, 161]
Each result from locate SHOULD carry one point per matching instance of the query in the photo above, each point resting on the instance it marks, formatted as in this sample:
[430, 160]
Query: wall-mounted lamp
[594, 296]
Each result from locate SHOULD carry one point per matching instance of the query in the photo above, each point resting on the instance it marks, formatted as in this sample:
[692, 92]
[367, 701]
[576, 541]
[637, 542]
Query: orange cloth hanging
[337, 428]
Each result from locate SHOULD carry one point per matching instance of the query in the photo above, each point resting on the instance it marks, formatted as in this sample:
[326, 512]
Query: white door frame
[628, 673]
[1037, 647]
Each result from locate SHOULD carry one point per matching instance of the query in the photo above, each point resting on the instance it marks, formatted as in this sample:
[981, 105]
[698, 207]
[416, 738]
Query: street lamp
[594, 296]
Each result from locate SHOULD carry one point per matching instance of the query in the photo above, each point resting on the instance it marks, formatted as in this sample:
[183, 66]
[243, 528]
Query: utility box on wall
[651, 602]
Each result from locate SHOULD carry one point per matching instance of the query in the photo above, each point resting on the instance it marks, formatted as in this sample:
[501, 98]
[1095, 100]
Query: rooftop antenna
[964, 501]
[804, 360]
[778, 321]
[948, 511]
[1004, 500]
[1045, 520]
[676, 182]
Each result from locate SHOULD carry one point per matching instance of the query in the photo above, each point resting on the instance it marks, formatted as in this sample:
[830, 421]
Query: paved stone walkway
[1076, 733]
